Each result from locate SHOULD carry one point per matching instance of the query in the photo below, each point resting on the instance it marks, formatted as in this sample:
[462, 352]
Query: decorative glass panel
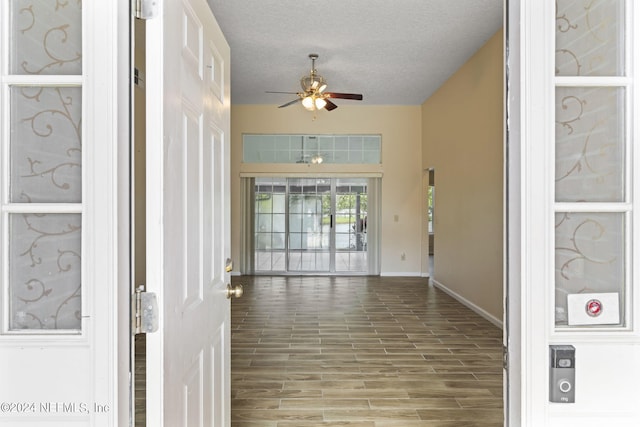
[46, 37]
[590, 257]
[348, 149]
[589, 37]
[590, 144]
[44, 271]
[46, 145]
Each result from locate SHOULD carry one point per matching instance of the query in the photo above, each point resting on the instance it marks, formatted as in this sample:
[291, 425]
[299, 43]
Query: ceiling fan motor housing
[313, 83]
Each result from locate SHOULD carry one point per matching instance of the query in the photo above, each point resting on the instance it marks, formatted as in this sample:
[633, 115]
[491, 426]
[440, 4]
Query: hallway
[361, 351]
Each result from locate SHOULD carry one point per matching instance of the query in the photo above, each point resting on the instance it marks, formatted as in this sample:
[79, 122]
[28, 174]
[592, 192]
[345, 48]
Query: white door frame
[123, 87]
[512, 194]
[105, 331]
[606, 359]
[526, 233]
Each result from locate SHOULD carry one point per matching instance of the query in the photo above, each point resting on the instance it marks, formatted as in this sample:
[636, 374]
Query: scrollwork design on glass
[41, 234]
[587, 229]
[589, 256]
[590, 143]
[573, 57]
[40, 118]
[595, 25]
[588, 37]
[35, 320]
[583, 159]
[48, 38]
[64, 102]
[564, 25]
[62, 34]
[36, 291]
[47, 143]
[28, 11]
[574, 114]
[70, 304]
[45, 271]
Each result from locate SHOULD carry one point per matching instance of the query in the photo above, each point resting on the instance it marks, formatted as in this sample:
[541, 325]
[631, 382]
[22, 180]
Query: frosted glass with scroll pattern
[46, 37]
[589, 256]
[45, 271]
[590, 37]
[46, 145]
[590, 144]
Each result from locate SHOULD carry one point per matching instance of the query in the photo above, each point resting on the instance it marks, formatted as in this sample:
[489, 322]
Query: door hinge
[145, 312]
[138, 78]
[147, 9]
[505, 358]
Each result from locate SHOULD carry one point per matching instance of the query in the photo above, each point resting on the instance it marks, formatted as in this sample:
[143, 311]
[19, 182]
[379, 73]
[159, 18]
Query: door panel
[573, 214]
[59, 211]
[351, 225]
[309, 225]
[188, 363]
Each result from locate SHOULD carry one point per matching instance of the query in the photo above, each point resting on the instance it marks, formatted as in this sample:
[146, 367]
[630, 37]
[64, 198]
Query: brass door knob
[237, 291]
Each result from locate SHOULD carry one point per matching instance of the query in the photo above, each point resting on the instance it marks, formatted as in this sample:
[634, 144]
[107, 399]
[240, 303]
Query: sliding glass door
[350, 229]
[309, 202]
[270, 224]
[310, 225]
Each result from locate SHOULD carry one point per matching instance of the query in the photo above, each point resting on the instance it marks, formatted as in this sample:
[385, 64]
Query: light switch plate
[593, 309]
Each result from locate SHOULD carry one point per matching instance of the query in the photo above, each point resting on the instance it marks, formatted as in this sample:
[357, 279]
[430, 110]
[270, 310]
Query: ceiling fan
[313, 96]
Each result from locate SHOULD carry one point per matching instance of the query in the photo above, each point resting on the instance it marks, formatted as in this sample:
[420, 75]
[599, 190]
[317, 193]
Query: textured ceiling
[394, 52]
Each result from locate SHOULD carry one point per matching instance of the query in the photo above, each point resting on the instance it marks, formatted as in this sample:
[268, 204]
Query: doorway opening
[431, 194]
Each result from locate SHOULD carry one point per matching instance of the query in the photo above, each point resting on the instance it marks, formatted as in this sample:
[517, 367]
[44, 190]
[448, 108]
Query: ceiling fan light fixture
[313, 96]
[308, 103]
[321, 83]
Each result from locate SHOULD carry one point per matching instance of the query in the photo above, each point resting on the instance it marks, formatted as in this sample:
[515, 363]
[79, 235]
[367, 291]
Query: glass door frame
[355, 231]
[307, 217]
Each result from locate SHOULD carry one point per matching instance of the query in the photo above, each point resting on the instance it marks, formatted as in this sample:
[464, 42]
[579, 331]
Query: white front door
[188, 122]
[574, 213]
[59, 211]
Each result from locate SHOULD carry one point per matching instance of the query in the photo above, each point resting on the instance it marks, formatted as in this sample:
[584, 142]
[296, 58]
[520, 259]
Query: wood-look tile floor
[361, 351]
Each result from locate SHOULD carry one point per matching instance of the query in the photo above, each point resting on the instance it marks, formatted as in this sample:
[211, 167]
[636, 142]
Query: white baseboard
[482, 312]
[402, 274]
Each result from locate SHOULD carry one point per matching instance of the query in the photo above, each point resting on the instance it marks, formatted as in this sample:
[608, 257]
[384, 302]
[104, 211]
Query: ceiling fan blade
[355, 96]
[289, 103]
[330, 105]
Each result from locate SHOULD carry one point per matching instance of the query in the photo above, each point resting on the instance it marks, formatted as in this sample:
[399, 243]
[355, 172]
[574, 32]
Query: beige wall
[400, 128]
[462, 139]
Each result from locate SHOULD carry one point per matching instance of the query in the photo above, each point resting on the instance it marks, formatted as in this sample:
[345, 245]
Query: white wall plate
[593, 309]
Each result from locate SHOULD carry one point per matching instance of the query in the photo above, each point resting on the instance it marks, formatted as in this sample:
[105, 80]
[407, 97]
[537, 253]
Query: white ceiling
[394, 52]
